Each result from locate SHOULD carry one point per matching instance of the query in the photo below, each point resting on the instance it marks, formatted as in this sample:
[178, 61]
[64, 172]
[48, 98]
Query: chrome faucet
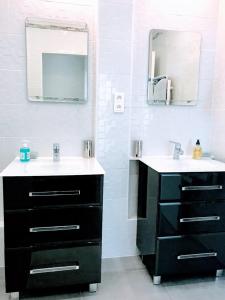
[56, 152]
[177, 150]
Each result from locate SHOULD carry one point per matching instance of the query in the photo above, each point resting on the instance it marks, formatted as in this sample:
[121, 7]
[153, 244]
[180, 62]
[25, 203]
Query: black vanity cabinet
[181, 222]
[53, 231]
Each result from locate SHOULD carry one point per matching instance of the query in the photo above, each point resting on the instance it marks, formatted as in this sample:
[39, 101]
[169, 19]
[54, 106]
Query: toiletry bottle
[24, 153]
[197, 151]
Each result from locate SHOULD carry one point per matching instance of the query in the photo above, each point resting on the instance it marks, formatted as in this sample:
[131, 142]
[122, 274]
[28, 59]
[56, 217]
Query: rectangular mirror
[57, 61]
[173, 67]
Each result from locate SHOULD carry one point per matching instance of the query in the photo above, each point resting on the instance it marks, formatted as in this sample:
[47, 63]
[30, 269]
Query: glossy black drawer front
[29, 192]
[170, 187]
[17, 262]
[190, 254]
[44, 225]
[27, 268]
[192, 186]
[177, 218]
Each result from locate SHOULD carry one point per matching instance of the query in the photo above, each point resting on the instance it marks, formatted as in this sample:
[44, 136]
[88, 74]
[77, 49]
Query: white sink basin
[185, 164]
[45, 166]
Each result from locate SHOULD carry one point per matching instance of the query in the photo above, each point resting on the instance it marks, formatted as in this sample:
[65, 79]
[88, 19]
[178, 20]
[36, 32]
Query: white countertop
[166, 164]
[45, 166]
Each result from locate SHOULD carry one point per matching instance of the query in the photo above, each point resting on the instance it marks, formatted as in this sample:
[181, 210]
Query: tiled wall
[218, 140]
[112, 135]
[157, 125]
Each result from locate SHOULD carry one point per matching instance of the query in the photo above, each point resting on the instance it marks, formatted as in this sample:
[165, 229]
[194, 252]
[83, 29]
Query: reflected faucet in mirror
[160, 89]
[177, 151]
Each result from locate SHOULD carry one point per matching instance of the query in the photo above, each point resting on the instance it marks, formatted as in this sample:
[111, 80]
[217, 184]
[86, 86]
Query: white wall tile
[12, 87]
[218, 104]
[204, 94]
[4, 15]
[119, 235]
[75, 2]
[117, 51]
[112, 136]
[207, 60]
[163, 124]
[45, 120]
[44, 9]
[115, 22]
[200, 8]
[116, 184]
[146, 21]
[218, 141]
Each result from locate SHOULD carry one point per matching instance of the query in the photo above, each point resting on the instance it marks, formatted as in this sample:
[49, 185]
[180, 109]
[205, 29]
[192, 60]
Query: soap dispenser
[197, 151]
[24, 152]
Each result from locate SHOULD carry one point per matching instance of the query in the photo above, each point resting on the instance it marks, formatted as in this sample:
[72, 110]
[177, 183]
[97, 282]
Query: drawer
[192, 186]
[29, 227]
[190, 254]
[27, 268]
[177, 218]
[29, 192]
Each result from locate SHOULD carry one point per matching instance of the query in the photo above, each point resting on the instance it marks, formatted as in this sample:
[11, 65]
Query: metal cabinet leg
[219, 273]
[156, 279]
[14, 296]
[93, 287]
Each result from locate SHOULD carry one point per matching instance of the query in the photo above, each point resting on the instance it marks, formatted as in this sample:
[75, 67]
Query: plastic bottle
[197, 151]
[24, 153]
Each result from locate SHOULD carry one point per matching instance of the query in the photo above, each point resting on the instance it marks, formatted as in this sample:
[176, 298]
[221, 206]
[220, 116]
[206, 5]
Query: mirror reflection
[57, 61]
[173, 67]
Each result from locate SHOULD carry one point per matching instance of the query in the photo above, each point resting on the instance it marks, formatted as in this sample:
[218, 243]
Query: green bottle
[24, 153]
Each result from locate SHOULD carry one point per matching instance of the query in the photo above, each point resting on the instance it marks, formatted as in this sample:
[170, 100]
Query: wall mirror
[173, 67]
[57, 61]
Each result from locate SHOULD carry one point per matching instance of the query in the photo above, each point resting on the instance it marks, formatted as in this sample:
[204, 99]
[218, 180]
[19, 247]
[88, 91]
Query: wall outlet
[118, 102]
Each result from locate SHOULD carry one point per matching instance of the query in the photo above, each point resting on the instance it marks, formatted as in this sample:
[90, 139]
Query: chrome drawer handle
[54, 228]
[200, 219]
[197, 255]
[54, 193]
[202, 188]
[54, 269]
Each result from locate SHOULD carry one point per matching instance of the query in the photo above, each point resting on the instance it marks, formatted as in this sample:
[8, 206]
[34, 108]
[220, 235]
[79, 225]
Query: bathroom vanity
[181, 216]
[53, 224]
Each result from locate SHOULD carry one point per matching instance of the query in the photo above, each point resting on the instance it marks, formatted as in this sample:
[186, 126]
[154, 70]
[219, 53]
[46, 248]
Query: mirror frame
[56, 25]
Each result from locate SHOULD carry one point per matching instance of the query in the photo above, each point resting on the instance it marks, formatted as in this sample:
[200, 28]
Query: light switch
[119, 102]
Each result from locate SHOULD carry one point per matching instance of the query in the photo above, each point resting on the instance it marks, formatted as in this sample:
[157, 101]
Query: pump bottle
[24, 153]
[197, 151]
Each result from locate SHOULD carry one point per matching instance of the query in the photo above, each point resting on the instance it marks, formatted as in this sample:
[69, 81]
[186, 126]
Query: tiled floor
[127, 279]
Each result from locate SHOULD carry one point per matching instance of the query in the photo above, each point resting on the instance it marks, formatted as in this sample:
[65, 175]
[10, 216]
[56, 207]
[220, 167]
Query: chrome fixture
[201, 187]
[219, 272]
[56, 152]
[54, 269]
[156, 280]
[197, 255]
[88, 149]
[177, 150]
[138, 145]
